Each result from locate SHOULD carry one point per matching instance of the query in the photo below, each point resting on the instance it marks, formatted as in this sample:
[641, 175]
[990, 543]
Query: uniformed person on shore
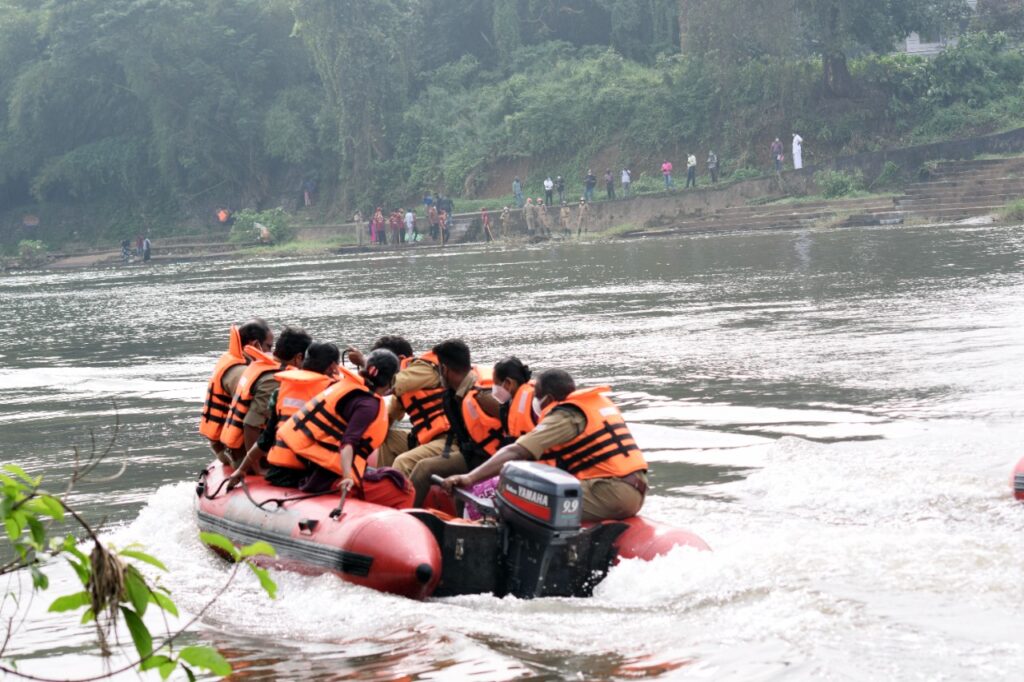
[564, 216]
[581, 216]
[529, 214]
[583, 433]
[506, 222]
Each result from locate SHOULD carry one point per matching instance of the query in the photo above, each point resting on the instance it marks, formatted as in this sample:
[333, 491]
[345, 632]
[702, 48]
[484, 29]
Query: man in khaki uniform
[581, 216]
[290, 349]
[529, 215]
[563, 220]
[417, 375]
[506, 220]
[611, 490]
[441, 456]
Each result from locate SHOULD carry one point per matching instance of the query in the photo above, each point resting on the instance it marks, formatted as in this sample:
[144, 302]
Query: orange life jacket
[315, 431]
[605, 448]
[517, 413]
[484, 430]
[223, 215]
[298, 387]
[425, 407]
[218, 400]
[262, 363]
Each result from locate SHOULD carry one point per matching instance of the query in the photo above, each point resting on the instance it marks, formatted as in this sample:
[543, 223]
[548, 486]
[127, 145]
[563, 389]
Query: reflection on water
[833, 411]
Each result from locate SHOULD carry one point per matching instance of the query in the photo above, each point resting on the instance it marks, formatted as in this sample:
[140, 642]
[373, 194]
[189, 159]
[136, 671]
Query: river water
[835, 412]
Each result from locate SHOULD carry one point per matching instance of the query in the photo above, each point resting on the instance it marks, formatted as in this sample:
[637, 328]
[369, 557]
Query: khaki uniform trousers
[419, 464]
[610, 498]
[395, 443]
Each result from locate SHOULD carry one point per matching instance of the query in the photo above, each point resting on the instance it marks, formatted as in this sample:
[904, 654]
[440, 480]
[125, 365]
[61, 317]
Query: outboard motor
[544, 551]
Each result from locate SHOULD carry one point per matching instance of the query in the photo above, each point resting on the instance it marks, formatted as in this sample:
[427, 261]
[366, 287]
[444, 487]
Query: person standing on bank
[560, 187]
[581, 217]
[777, 155]
[517, 191]
[627, 180]
[586, 435]
[549, 190]
[798, 151]
[713, 166]
[609, 184]
[691, 171]
[589, 183]
[666, 173]
[506, 219]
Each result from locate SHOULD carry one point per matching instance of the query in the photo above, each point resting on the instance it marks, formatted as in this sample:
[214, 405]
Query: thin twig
[131, 666]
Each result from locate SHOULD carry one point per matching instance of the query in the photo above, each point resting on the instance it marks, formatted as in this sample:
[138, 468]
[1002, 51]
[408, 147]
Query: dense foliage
[118, 116]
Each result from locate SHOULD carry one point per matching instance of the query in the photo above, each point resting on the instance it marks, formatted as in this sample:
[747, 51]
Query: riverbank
[939, 191]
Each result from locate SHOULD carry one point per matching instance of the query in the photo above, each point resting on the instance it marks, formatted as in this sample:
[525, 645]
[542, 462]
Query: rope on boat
[279, 501]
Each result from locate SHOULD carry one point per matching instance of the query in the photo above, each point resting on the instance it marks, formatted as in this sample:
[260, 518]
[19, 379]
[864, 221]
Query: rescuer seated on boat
[412, 376]
[336, 431]
[296, 387]
[226, 373]
[584, 433]
[513, 390]
[250, 405]
[470, 414]
[417, 393]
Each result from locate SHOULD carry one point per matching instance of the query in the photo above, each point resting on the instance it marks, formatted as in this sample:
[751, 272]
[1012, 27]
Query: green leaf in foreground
[142, 556]
[69, 602]
[138, 593]
[268, 584]
[155, 661]
[258, 548]
[207, 658]
[140, 633]
[164, 602]
[220, 542]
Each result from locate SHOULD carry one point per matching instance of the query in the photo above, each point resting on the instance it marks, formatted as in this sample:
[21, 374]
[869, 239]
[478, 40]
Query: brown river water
[835, 412]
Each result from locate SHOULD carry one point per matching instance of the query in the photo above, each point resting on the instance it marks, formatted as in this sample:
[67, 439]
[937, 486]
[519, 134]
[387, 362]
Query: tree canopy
[163, 107]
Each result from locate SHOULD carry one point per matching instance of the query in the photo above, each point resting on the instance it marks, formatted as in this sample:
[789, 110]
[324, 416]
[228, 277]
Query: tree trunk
[685, 42]
[836, 74]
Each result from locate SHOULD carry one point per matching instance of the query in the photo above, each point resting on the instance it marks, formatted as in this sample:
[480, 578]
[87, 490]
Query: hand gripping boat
[530, 544]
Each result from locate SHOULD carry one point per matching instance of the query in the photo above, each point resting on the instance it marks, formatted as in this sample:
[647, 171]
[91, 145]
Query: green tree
[360, 49]
[838, 28]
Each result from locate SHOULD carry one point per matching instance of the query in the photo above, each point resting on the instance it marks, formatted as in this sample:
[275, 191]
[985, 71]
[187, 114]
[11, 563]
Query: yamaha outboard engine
[544, 551]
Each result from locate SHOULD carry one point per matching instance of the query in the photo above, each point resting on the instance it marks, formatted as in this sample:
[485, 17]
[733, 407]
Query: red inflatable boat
[530, 544]
[1017, 481]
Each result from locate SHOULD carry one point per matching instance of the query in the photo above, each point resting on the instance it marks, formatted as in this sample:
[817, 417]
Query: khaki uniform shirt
[229, 380]
[556, 428]
[259, 410]
[418, 376]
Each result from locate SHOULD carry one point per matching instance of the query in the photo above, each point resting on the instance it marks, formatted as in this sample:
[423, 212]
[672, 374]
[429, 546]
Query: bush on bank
[31, 252]
[1014, 211]
[835, 184]
[271, 226]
